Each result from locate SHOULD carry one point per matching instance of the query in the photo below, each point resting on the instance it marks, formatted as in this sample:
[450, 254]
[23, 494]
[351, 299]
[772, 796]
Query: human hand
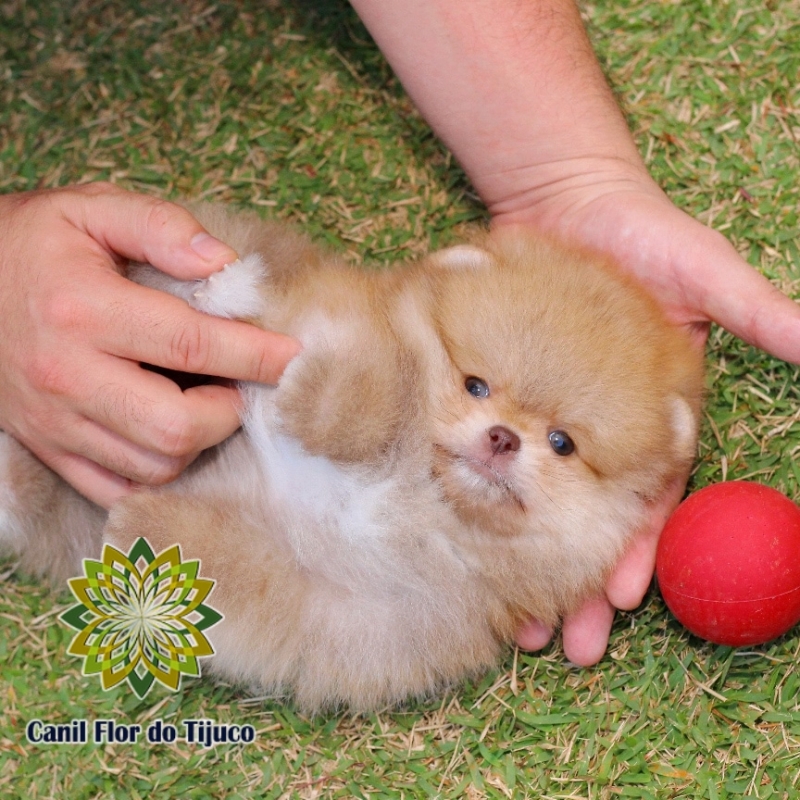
[73, 332]
[696, 275]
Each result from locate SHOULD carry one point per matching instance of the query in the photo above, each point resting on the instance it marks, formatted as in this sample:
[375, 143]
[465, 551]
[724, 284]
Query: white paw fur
[233, 292]
[462, 256]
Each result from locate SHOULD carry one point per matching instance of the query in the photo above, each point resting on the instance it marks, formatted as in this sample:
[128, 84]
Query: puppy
[463, 443]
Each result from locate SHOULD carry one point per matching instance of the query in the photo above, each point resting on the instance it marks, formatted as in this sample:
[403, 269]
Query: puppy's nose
[503, 440]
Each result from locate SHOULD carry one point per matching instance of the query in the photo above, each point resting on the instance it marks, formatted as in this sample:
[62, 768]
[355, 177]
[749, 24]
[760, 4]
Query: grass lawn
[288, 105]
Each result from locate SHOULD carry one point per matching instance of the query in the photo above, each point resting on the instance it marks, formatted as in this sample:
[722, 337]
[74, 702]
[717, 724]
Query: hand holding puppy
[698, 277]
[74, 332]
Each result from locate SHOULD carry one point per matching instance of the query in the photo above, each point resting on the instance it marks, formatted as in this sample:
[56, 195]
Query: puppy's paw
[234, 292]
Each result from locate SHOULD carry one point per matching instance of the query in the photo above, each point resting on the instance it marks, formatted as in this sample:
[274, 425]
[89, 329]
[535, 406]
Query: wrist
[543, 194]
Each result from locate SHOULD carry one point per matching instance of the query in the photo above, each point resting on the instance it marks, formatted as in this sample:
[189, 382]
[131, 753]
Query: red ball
[728, 563]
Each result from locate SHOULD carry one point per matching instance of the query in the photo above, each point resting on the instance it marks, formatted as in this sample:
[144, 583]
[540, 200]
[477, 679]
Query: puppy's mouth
[483, 469]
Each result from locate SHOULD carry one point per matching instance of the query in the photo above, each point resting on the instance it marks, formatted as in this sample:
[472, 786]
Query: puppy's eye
[476, 387]
[561, 443]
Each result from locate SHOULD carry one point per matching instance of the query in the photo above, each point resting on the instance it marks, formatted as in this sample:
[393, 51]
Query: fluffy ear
[462, 256]
[685, 427]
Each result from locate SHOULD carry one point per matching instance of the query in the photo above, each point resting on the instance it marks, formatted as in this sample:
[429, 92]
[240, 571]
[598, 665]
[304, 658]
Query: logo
[140, 617]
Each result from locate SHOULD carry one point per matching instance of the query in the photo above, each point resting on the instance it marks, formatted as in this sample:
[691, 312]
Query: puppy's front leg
[235, 292]
[242, 556]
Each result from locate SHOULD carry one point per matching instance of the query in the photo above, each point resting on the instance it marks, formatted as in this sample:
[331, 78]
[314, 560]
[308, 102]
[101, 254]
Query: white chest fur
[335, 517]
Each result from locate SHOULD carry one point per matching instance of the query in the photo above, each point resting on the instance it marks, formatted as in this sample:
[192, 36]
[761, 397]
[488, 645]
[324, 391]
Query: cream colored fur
[367, 541]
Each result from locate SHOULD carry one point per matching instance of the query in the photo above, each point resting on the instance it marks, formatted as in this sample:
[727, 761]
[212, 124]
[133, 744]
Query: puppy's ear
[462, 256]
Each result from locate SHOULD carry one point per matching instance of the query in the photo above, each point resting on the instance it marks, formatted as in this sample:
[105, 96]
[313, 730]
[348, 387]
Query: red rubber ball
[728, 563]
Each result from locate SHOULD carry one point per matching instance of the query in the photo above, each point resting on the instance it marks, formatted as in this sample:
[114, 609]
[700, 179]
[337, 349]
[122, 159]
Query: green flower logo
[140, 617]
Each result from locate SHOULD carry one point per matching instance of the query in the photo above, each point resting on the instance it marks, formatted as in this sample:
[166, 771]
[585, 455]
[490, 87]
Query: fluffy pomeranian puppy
[463, 443]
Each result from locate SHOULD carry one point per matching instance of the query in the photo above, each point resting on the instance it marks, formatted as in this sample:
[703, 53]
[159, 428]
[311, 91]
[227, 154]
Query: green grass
[289, 106]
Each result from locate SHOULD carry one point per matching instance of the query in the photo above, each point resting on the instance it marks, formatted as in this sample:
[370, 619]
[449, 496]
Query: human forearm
[511, 86]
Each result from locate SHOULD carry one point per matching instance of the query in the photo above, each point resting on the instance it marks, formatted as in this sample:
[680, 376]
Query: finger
[534, 635]
[188, 341]
[147, 229]
[159, 329]
[114, 453]
[92, 481]
[152, 412]
[736, 296]
[631, 578]
[585, 633]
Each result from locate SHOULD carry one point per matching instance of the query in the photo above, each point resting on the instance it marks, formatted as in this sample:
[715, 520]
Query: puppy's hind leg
[44, 523]
[257, 588]
[209, 529]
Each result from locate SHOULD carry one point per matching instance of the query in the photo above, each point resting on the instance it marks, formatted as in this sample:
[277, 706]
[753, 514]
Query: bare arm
[512, 87]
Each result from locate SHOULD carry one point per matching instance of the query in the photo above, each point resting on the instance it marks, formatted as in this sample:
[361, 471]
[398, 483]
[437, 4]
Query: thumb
[733, 294]
[148, 229]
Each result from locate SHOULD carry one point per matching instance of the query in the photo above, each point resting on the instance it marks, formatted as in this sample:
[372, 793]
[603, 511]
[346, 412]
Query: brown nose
[503, 440]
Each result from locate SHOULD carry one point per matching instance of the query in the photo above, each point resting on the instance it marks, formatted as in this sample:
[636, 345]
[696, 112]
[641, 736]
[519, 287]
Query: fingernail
[211, 249]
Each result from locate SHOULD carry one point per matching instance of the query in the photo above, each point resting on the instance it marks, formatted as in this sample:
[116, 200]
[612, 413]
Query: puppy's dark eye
[561, 443]
[476, 387]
